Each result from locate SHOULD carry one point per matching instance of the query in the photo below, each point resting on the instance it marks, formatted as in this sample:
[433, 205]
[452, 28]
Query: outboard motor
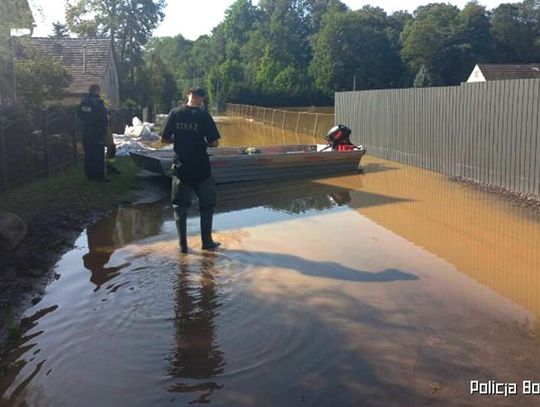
[338, 138]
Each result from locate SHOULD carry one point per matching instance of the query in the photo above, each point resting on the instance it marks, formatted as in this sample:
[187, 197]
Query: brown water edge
[339, 291]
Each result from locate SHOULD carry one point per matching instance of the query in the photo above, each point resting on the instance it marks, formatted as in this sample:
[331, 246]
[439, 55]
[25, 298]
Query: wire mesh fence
[35, 142]
[298, 121]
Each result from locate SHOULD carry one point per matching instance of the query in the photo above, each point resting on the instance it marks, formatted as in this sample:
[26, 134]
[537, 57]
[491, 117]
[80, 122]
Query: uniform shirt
[93, 113]
[191, 129]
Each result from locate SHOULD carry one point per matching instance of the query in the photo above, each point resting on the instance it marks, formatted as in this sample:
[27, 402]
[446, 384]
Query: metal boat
[237, 164]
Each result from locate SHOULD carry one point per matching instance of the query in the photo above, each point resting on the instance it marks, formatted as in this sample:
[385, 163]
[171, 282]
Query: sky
[193, 18]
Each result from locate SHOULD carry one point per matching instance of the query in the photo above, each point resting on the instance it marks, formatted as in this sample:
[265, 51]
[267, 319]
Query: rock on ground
[12, 230]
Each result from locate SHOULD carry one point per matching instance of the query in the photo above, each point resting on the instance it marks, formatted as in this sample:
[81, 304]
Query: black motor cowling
[338, 135]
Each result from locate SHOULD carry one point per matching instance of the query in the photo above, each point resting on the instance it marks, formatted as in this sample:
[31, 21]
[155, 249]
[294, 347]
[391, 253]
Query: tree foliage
[40, 78]
[128, 24]
[285, 52]
[60, 30]
[355, 46]
[516, 30]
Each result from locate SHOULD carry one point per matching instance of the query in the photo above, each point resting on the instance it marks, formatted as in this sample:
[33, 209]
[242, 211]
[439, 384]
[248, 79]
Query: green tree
[315, 11]
[59, 30]
[14, 14]
[474, 38]
[40, 78]
[516, 30]
[239, 20]
[355, 44]
[129, 25]
[423, 78]
[429, 40]
[162, 86]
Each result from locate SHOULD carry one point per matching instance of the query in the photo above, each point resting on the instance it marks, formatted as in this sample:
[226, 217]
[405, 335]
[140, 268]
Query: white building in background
[499, 72]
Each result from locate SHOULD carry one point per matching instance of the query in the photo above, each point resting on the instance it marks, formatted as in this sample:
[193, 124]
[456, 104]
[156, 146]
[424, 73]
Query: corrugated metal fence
[488, 132]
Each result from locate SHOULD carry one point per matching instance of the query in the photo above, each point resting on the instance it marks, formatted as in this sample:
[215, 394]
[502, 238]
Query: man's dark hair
[94, 89]
[197, 90]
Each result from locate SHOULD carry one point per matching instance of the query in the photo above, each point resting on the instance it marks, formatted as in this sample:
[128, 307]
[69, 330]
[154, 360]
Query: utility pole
[354, 83]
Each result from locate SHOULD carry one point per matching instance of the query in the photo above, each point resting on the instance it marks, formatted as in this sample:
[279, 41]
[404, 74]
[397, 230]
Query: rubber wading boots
[206, 231]
[181, 227]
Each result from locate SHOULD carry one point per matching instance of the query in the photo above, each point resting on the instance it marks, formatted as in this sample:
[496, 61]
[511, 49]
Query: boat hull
[270, 163]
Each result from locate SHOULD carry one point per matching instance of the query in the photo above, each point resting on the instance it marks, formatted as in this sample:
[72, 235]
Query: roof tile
[72, 53]
[506, 71]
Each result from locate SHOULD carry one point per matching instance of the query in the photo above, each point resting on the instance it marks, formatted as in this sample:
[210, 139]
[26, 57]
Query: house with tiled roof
[499, 72]
[87, 60]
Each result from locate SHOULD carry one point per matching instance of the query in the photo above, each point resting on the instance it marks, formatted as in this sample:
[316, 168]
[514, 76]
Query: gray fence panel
[485, 131]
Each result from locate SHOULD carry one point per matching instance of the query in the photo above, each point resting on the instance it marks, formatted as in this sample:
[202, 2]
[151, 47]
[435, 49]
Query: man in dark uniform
[192, 130]
[93, 114]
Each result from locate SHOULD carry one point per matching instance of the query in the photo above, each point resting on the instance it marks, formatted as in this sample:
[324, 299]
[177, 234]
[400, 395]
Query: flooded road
[391, 288]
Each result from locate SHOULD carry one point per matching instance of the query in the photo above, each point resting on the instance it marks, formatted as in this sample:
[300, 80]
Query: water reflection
[197, 358]
[293, 197]
[124, 225]
[483, 236]
[13, 365]
[302, 205]
[323, 308]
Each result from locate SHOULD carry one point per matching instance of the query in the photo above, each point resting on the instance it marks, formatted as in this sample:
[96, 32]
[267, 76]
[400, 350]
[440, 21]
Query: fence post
[273, 114]
[3, 155]
[45, 139]
[298, 122]
[284, 120]
[74, 136]
[316, 124]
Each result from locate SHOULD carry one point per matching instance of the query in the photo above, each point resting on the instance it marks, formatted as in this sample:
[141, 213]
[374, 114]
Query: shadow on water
[377, 167]
[124, 225]
[326, 269]
[197, 357]
[12, 362]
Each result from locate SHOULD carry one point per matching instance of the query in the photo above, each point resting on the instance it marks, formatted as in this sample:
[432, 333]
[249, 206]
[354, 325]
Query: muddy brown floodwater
[392, 288]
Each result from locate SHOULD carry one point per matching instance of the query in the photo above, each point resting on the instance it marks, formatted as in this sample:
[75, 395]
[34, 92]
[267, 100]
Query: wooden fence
[489, 132]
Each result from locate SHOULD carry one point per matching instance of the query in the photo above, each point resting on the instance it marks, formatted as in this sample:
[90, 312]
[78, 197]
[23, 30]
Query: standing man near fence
[192, 130]
[95, 120]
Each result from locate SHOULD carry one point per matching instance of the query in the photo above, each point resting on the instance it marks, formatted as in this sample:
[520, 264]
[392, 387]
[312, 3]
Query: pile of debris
[139, 136]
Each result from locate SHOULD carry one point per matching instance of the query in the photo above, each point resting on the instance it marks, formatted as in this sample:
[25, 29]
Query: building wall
[476, 76]
[110, 86]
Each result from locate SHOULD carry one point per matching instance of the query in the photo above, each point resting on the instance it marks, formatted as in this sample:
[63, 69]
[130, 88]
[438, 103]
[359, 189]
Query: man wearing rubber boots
[192, 130]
